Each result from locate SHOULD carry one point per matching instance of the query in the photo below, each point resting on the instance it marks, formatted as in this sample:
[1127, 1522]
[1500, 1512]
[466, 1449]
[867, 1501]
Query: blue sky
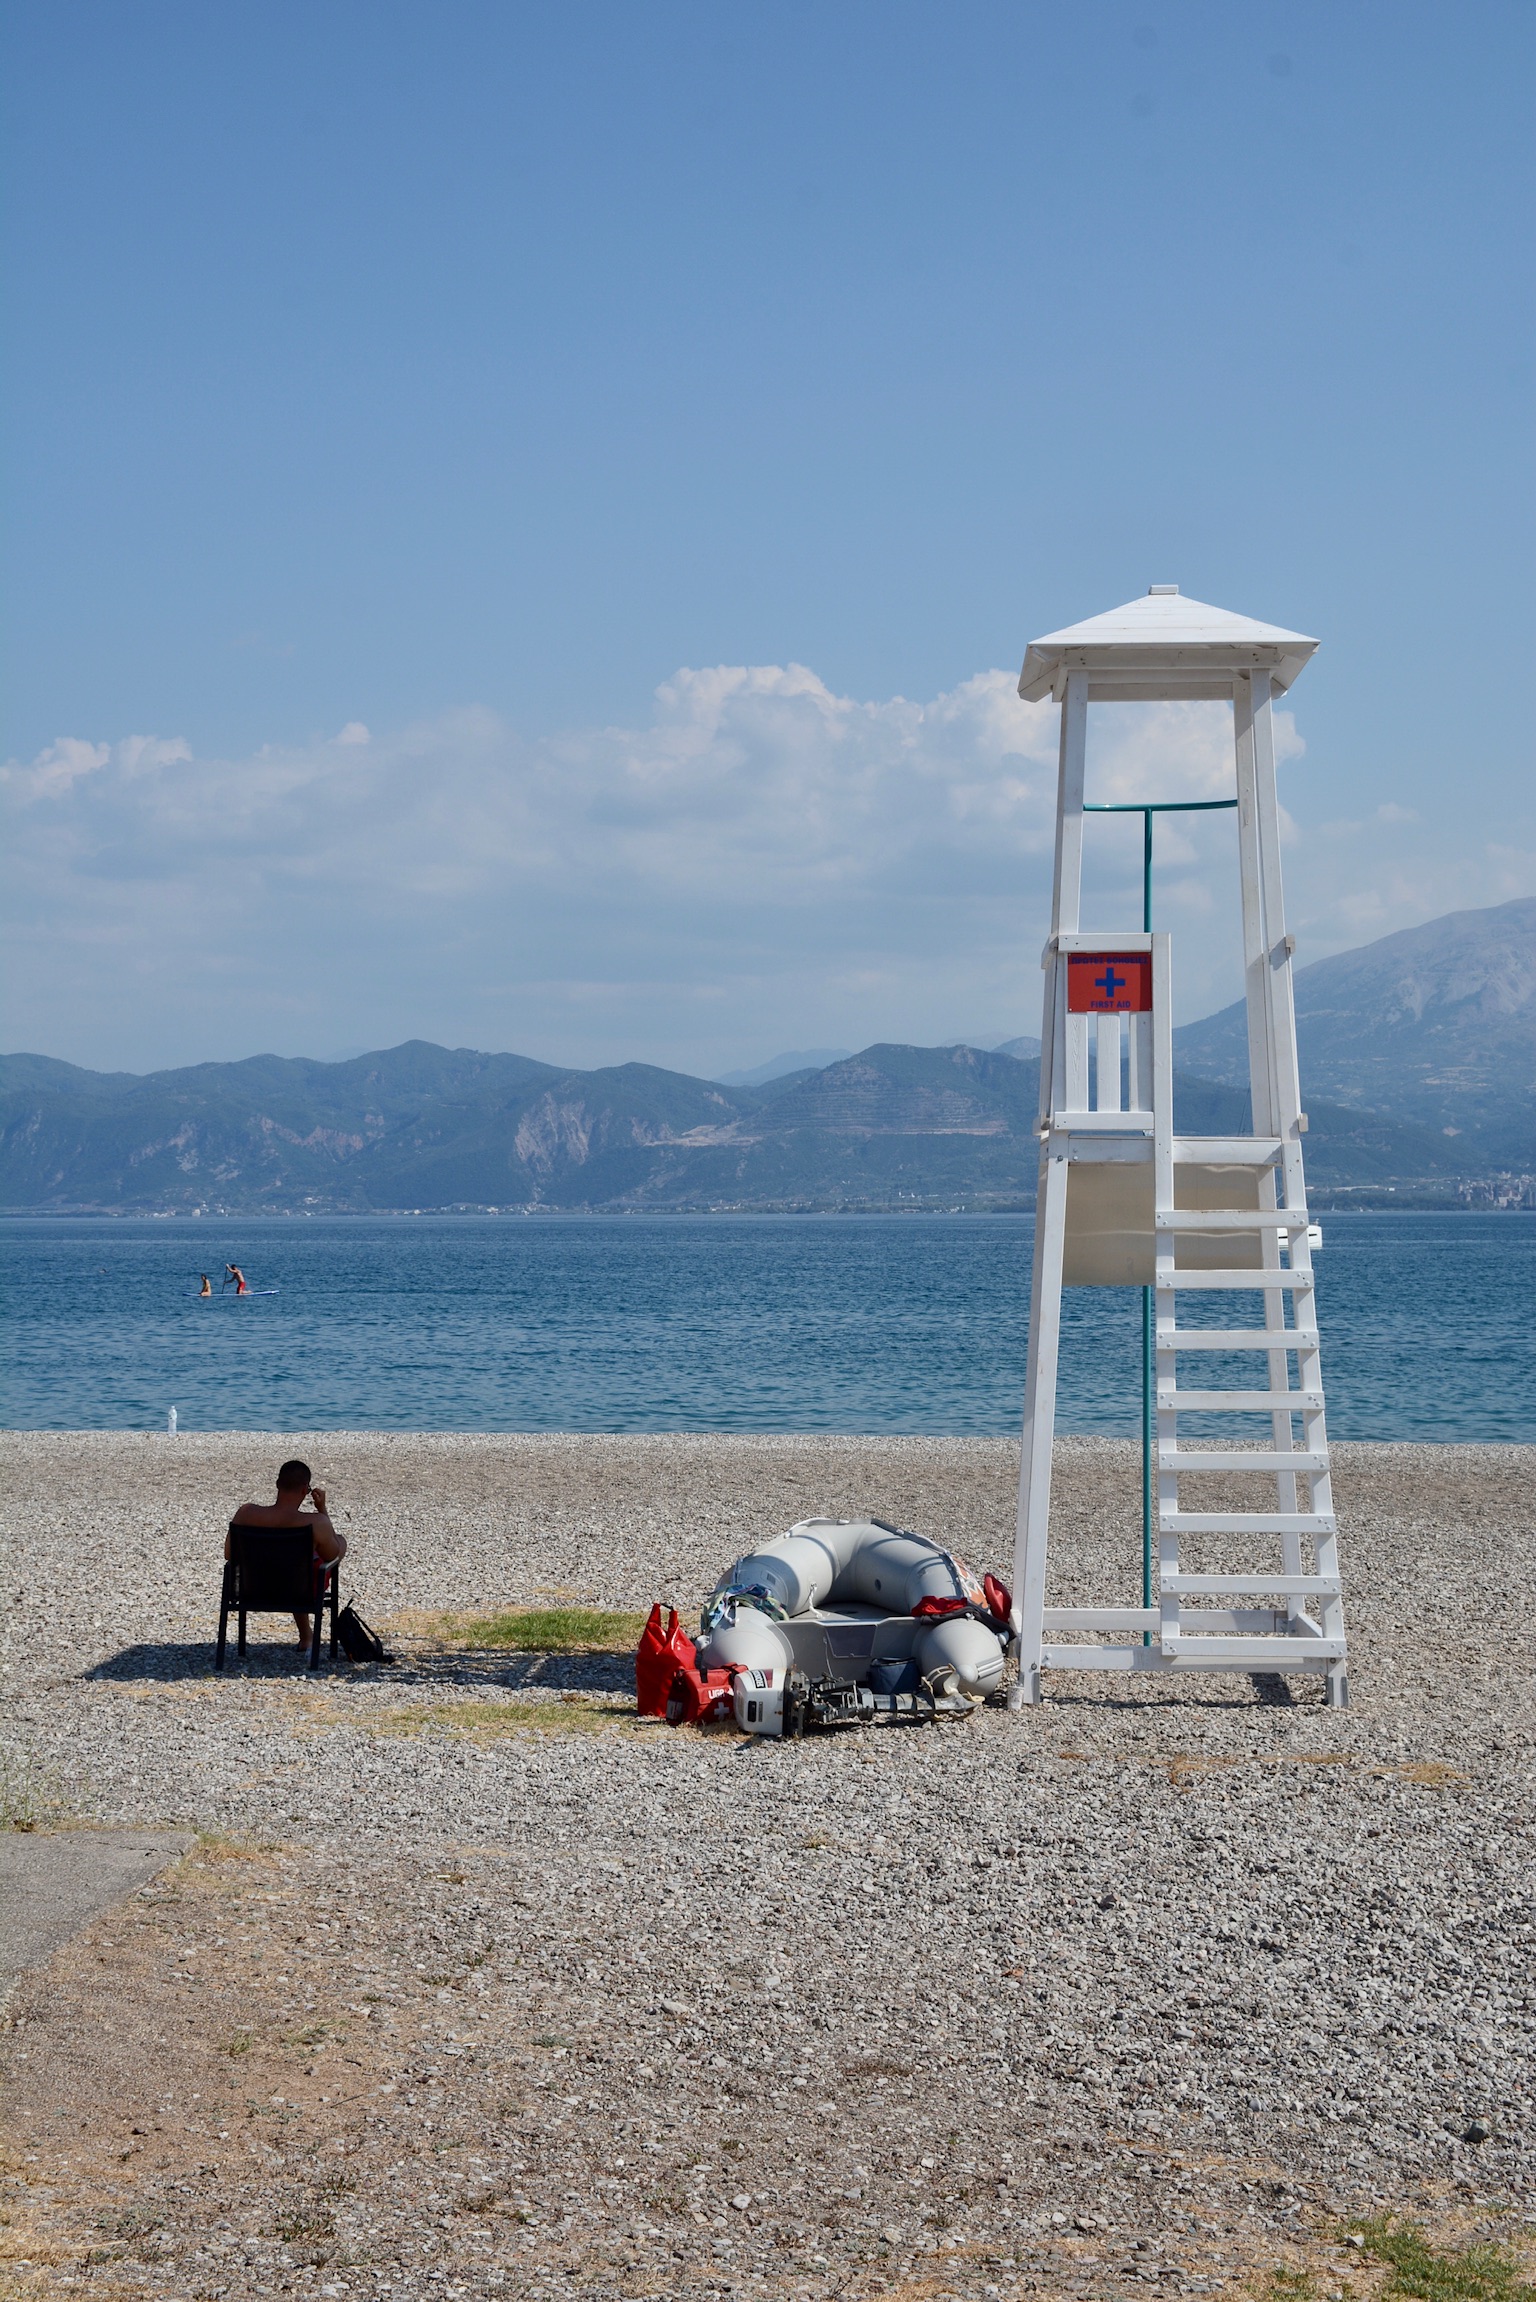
[466, 374]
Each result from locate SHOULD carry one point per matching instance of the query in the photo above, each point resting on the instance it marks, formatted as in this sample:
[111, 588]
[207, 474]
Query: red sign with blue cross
[1109, 983]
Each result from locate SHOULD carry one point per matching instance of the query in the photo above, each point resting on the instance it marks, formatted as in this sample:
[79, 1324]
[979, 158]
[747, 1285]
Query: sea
[855, 1323]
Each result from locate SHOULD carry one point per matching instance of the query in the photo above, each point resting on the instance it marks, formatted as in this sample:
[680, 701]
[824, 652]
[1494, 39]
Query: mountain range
[423, 1127]
[1436, 1025]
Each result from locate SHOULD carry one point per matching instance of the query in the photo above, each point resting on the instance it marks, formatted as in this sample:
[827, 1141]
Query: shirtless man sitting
[292, 1489]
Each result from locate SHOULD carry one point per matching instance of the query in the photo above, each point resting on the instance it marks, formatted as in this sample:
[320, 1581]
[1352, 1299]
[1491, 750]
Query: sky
[522, 523]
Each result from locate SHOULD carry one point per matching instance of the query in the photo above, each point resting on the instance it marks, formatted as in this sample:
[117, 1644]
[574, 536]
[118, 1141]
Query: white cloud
[139, 754]
[1170, 751]
[56, 769]
[765, 864]
[59, 768]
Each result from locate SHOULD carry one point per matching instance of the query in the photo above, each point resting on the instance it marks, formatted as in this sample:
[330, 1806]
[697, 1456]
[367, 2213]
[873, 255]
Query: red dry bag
[699, 1698]
[665, 1648]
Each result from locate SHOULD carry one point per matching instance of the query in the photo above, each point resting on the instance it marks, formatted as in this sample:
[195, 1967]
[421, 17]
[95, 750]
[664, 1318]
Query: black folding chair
[272, 1571]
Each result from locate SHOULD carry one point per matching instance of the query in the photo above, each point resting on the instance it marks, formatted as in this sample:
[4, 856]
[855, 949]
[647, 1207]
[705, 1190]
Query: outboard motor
[760, 1701]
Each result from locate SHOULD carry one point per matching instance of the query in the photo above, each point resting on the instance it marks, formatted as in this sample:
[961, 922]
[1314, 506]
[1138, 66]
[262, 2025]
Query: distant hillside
[415, 1125]
[1435, 1026]
[423, 1126]
[428, 1127]
[782, 1066]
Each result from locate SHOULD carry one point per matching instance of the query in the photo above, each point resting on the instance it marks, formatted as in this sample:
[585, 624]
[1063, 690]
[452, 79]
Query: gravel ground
[478, 1986]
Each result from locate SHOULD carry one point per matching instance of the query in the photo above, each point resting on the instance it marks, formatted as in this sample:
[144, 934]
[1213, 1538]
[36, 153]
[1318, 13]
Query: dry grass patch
[29, 1797]
[471, 1718]
[214, 1846]
[1185, 1766]
[1430, 1773]
[1477, 2273]
[1415, 2265]
[533, 1630]
[483, 1722]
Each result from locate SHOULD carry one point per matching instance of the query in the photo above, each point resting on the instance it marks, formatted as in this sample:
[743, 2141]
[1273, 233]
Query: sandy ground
[53, 1881]
[475, 1986]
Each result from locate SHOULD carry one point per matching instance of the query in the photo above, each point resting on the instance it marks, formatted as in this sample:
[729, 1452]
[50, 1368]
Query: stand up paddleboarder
[238, 1277]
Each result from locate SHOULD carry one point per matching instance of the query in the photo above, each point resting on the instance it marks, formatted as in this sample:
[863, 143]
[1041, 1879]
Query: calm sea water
[820, 1323]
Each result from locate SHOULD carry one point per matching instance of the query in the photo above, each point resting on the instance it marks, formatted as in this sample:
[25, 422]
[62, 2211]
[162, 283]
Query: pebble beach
[473, 1984]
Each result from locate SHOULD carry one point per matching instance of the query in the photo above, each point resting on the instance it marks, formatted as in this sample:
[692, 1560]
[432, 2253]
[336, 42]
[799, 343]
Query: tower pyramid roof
[1162, 645]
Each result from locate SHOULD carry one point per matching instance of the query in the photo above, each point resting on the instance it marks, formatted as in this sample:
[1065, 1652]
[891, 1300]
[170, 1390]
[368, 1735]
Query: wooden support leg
[1039, 1427]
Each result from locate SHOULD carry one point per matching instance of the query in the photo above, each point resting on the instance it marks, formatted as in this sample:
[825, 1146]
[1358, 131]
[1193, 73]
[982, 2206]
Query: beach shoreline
[1163, 1979]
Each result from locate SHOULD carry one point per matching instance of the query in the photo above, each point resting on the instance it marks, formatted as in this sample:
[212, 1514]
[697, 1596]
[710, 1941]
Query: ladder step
[1226, 1150]
[1241, 1402]
[1231, 1219]
[1100, 1618]
[1237, 1459]
[1174, 1522]
[1248, 1282]
[1265, 1653]
[1238, 1339]
[1253, 1586]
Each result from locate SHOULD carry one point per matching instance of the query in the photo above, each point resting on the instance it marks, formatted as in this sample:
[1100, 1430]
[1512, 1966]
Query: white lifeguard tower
[1196, 1222]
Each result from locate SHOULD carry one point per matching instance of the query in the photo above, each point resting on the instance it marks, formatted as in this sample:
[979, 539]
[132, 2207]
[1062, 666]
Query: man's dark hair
[294, 1474]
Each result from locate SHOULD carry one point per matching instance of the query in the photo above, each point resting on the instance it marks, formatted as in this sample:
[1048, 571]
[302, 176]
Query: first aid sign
[1109, 983]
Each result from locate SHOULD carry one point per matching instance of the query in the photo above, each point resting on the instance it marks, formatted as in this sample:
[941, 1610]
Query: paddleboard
[227, 1297]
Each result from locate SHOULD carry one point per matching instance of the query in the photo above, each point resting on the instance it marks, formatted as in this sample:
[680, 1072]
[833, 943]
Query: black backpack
[358, 1642]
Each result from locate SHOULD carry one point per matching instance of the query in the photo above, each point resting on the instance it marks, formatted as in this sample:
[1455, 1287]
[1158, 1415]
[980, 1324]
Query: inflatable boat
[843, 1619]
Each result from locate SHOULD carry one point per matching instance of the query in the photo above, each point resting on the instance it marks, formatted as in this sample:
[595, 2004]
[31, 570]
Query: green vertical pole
[1146, 1297]
[1146, 1454]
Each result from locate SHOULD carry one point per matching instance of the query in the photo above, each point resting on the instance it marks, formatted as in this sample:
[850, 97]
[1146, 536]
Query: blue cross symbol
[1109, 982]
